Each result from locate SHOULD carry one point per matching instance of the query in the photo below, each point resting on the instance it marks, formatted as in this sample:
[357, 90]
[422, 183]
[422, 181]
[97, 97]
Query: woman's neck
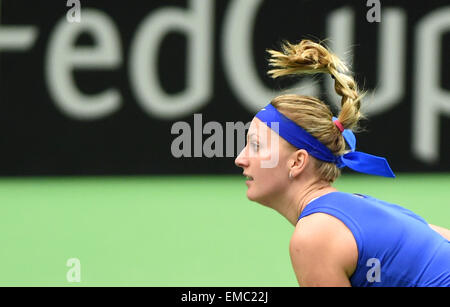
[298, 197]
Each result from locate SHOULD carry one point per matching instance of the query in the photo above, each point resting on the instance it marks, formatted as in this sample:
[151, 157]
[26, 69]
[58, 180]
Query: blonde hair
[312, 114]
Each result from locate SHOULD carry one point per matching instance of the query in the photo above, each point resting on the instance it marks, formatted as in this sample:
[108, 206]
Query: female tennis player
[340, 239]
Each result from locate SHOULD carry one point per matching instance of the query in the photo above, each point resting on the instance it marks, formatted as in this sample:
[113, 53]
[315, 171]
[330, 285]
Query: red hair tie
[339, 125]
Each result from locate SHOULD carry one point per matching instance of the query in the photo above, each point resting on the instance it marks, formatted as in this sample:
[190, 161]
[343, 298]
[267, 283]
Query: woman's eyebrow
[250, 135]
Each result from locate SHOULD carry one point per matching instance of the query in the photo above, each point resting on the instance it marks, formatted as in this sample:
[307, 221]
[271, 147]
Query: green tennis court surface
[167, 231]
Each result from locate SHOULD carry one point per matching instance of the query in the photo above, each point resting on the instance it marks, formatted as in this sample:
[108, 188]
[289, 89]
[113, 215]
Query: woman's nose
[241, 159]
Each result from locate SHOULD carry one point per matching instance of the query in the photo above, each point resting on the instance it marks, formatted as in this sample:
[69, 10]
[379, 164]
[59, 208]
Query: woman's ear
[298, 162]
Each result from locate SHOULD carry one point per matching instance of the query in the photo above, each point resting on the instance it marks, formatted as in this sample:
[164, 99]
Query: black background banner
[101, 96]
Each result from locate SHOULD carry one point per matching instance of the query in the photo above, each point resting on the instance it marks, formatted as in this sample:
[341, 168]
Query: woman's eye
[255, 146]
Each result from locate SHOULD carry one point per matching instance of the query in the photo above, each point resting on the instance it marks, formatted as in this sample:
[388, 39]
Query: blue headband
[301, 139]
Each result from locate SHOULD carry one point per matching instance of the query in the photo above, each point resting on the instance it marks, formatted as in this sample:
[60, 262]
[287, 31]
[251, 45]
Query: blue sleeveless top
[396, 247]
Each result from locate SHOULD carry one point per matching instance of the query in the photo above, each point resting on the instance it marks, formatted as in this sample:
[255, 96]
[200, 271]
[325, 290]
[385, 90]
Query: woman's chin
[255, 198]
[251, 196]
[262, 199]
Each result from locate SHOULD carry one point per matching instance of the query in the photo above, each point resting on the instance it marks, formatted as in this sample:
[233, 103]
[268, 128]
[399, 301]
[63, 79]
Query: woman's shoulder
[323, 237]
[323, 228]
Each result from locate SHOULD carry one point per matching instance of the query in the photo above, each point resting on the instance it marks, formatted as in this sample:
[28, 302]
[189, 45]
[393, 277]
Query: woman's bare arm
[442, 231]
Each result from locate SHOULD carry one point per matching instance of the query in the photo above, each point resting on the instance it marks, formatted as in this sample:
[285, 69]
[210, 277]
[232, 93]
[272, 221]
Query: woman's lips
[249, 178]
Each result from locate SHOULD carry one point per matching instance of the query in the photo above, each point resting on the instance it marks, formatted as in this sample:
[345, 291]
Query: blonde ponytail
[313, 115]
[309, 57]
